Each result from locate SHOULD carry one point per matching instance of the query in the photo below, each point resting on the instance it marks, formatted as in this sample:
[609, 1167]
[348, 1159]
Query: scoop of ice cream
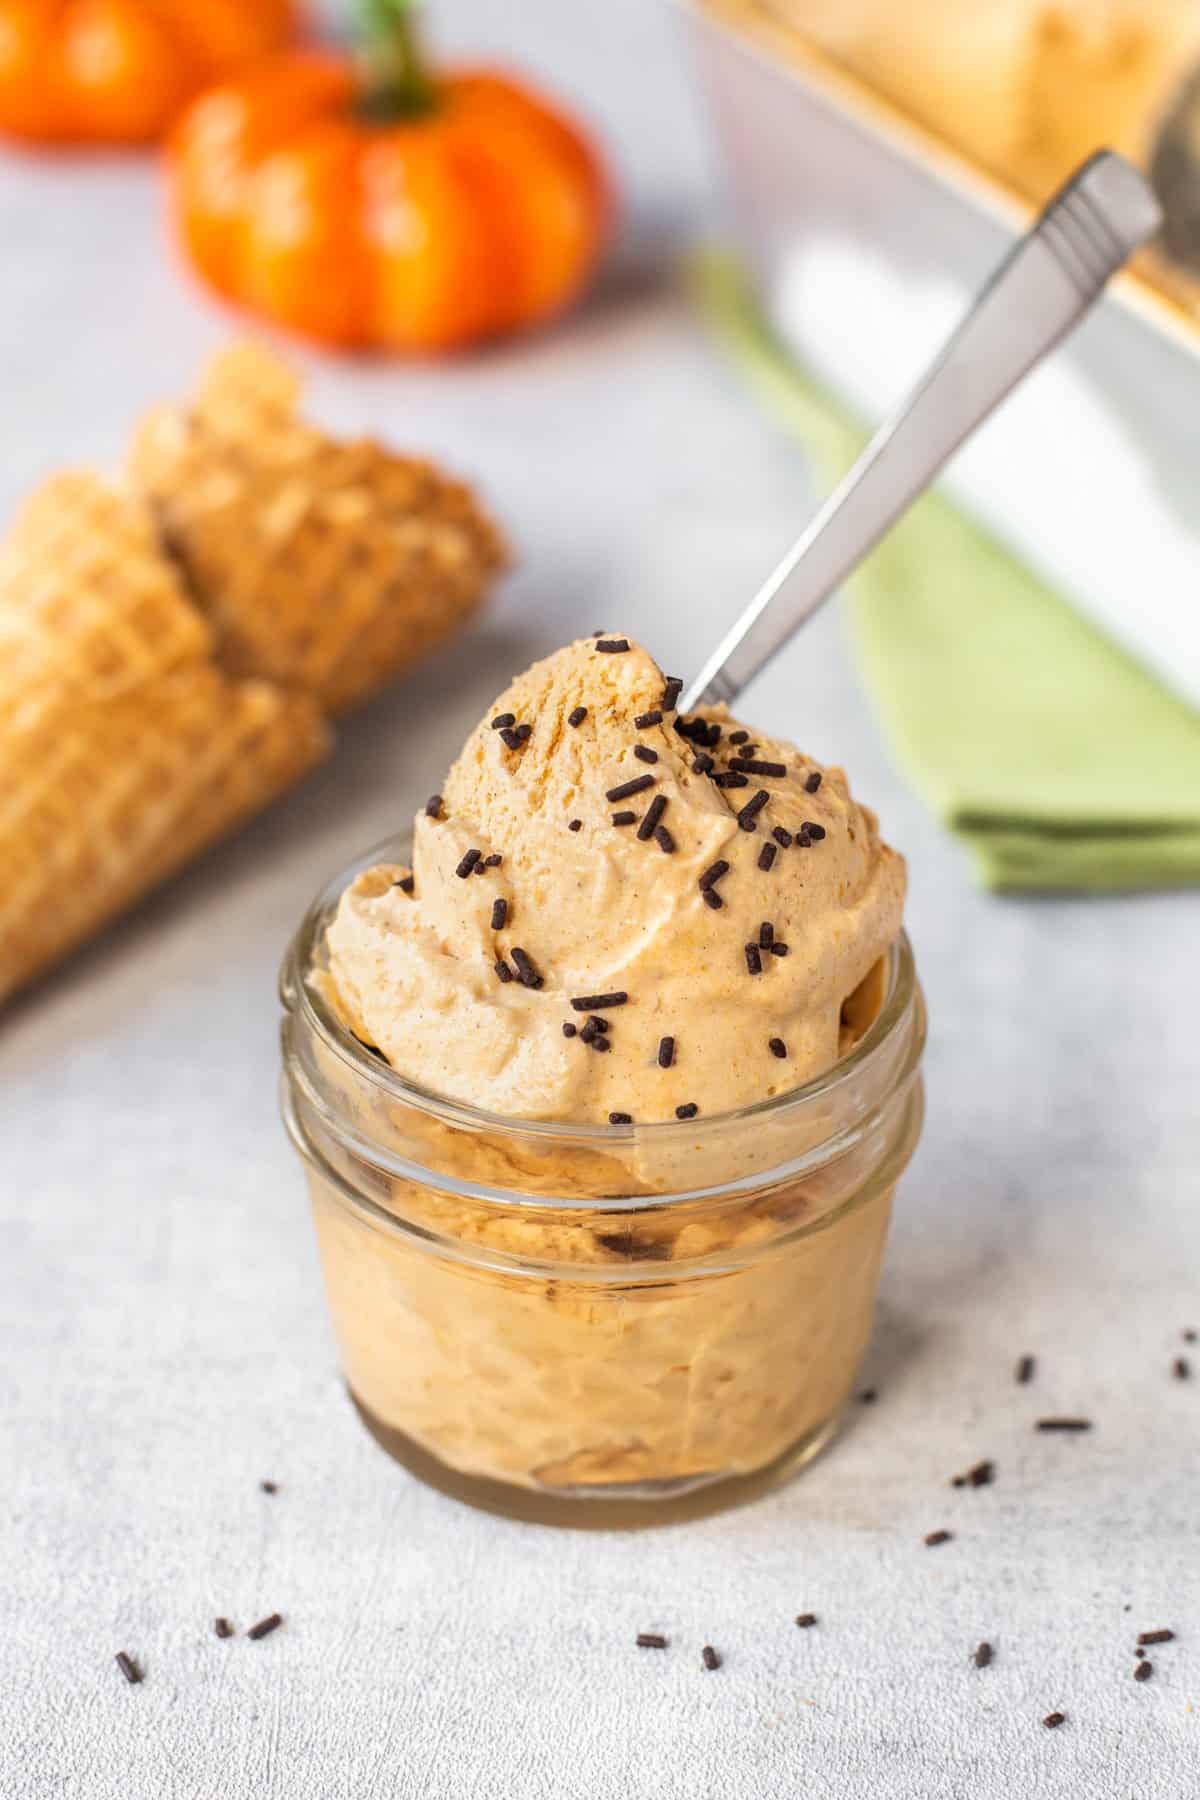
[617, 913]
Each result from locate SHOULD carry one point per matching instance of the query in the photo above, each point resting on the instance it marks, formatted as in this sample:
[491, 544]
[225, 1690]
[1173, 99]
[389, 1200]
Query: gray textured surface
[165, 1344]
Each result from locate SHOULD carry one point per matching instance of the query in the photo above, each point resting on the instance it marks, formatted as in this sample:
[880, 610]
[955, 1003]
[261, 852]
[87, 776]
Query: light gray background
[166, 1341]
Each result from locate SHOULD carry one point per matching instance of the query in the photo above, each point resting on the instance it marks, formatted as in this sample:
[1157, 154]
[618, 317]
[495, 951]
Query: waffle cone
[124, 748]
[320, 565]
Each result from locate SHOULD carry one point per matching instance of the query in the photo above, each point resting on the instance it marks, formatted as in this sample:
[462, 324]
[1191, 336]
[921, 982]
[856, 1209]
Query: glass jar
[596, 1323]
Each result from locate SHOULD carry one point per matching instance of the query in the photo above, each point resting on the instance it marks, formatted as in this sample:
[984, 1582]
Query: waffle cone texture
[173, 642]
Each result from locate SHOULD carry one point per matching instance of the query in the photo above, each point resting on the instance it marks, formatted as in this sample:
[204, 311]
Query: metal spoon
[1044, 286]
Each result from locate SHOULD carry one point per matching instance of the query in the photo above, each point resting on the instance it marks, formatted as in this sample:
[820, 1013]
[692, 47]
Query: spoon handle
[1044, 286]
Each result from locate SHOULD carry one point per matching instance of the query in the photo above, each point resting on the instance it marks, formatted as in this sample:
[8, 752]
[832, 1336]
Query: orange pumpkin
[120, 71]
[383, 207]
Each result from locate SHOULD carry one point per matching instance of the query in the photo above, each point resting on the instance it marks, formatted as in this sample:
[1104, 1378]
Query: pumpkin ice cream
[595, 1214]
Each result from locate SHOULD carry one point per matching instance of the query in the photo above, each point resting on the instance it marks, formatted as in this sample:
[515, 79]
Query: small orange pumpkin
[383, 207]
[120, 71]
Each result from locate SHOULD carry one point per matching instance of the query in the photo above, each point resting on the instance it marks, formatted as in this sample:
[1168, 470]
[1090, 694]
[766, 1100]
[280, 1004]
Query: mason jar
[608, 1324]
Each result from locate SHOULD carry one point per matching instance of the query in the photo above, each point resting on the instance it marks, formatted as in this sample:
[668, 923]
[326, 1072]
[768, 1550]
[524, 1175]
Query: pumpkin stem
[396, 80]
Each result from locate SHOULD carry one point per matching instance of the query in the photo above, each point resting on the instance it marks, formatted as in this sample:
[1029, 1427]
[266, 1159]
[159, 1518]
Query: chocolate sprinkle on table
[612, 646]
[671, 693]
[766, 856]
[654, 813]
[933, 1538]
[527, 975]
[644, 753]
[702, 763]
[983, 1655]
[713, 874]
[814, 830]
[651, 1640]
[597, 1002]
[624, 818]
[712, 898]
[646, 719]
[502, 969]
[982, 1474]
[782, 838]
[813, 782]
[503, 719]
[664, 840]
[223, 1628]
[265, 1627]
[510, 738]
[406, 882]
[568, 1029]
[804, 1620]
[433, 806]
[1181, 1368]
[1064, 1425]
[687, 1111]
[575, 825]
[499, 914]
[777, 1047]
[620, 1118]
[1025, 1370]
[753, 959]
[750, 765]
[749, 813]
[469, 859]
[666, 1052]
[1053, 1719]
[726, 780]
[626, 789]
[128, 1668]
[1155, 1637]
[1144, 1670]
[577, 715]
[710, 1658]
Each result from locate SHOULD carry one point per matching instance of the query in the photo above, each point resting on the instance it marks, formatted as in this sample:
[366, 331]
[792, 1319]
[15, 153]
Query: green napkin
[1057, 759]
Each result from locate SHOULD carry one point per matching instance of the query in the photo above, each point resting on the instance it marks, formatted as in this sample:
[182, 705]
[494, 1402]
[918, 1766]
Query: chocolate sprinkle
[1155, 1637]
[624, 818]
[868, 1397]
[265, 1627]
[128, 1668]
[527, 975]
[568, 1029]
[713, 874]
[981, 1474]
[710, 1658]
[702, 763]
[469, 859]
[814, 830]
[712, 898]
[223, 1628]
[502, 969]
[511, 739]
[406, 882]
[1064, 1425]
[575, 825]
[599, 1042]
[666, 1052]
[1144, 1670]
[595, 1002]
[590, 1032]
[620, 1118]
[269, 1487]
[664, 840]
[1053, 1719]
[493, 861]
[651, 1640]
[577, 715]
[433, 806]
[804, 1620]
[1181, 1368]
[726, 780]
[646, 719]
[1025, 1370]
[753, 959]
[626, 789]
[739, 737]
[777, 1047]
[813, 782]
[644, 753]
[766, 856]
[750, 765]
[749, 813]
[523, 732]
[499, 914]
[687, 1111]
[671, 693]
[983, 1655]
[782, 838]
[933, 1538]
[654, 813]
[766, 935]
[612, 646]
[779, 949]
[503, 719]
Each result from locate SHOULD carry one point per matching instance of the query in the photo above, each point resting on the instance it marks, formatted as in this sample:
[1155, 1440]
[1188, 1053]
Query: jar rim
[297, 993]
